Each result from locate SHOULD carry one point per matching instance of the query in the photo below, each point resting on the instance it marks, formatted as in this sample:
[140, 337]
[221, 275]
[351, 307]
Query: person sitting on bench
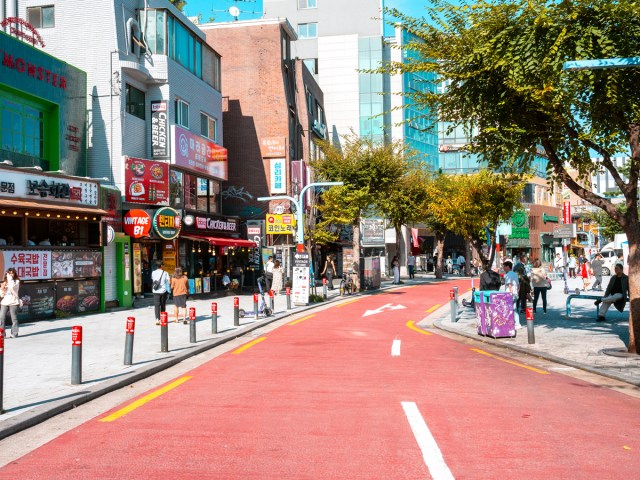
[616, 293]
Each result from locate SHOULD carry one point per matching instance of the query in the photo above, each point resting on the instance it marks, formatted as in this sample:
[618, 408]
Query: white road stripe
[395, 348]
[430, 451]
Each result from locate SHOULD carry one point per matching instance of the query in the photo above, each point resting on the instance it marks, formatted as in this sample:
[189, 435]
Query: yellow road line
[140, 402]
[248, 345]
[517, 364]
[434, 308]
[347, 303]
[301, 319]
[411, 325]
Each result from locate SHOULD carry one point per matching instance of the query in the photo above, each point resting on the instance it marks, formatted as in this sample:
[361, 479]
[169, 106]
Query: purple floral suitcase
[500, 319]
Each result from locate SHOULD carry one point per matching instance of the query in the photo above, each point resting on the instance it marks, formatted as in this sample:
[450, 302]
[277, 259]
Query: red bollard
[164, 332]
[214, 317]
[271, 299]
[324, 288]
[531, 338]
[192, 324]
[255, 305]
[452, 294]
[236, 312]
[76, 355]
[288, 293]
[128, 344]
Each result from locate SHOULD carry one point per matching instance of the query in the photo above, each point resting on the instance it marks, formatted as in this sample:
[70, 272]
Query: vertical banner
[159, 125]
[566, 211]
[278, 176]
[301, 278]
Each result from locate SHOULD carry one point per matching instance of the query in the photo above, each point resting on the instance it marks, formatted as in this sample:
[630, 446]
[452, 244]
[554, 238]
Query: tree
[504, 61]
[179, 4]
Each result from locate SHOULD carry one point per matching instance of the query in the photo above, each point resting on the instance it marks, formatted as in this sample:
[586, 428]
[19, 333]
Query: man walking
[596, 269]
[616, 293]
[411, 265]
[159, 279]
[268, 272]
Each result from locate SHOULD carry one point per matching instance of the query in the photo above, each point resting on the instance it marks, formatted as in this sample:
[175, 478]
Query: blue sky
[218, 8]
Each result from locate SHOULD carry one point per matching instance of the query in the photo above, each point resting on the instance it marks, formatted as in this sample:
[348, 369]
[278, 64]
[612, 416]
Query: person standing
[449, 264]
[160, 280]
[596, 269]
[524, 283]
[268, 272]
[9, 290]
[180, 288]
[278, 275]
[489, 280]
[411, 265]
[558, 263]
[329, 270]
[540, 284]
[462, 263]
[395, 266]
[572, 265]
[512, 285]
[616, 293]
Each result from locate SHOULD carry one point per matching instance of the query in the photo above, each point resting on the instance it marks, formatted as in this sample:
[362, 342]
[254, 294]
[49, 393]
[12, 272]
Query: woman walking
[180, 289]
[329, 270]
[276, 286]
[10, 300]
[395, 265]
[539, 282]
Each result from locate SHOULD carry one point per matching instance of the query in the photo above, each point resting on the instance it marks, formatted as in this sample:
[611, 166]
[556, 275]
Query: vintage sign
[278, 176]
[159, 129]
[280, 224]
[147, 181]
[167, 223]
[136, 223]
[271, 147]
[197, 154]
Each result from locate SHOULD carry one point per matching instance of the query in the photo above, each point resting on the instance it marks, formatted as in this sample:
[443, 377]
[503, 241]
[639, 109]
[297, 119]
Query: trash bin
[481, 302]
[494, 313]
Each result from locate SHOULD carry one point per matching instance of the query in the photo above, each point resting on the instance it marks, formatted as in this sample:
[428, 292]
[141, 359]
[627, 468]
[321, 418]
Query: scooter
[263, 307]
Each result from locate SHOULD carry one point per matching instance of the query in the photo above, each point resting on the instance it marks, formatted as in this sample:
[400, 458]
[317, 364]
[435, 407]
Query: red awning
[221, 242]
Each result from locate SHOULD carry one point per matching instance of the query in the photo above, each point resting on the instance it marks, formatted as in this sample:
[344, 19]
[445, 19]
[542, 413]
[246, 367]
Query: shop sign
[549, 218]
[278, 176]
[273, 147]
[227, 225]
[566, 212]
[56, 188]
[197, 154]
[147, 180]
[519, 225]
[167, 223]
[372, 232]
[280, 224]
[136, 223]
[300, 287]
[159, 127]
[111, 201]
[29, 264]
[17, 27]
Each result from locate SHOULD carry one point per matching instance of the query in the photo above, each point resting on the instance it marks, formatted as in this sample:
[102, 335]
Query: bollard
[453, 306]
[530, 334]
[128, 342]
[324, 288]
[214, 317]
[255, 306]
[76, 355]
[288, 293]
[455, 291]
[192, 324]
[271, 300]
[1, 368]
[164, 332]
[236, 312]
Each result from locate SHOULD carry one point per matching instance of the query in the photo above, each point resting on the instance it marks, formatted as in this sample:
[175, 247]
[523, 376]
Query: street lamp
[299, 210]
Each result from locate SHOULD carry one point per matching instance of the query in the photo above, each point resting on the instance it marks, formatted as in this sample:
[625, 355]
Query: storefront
[52, 235]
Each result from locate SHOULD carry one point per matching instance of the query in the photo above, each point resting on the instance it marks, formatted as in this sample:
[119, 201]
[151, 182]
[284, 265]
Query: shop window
[208, 127]
[182, 113]
[41, 17]
[21, 128]
[190, 192]
[176, 197]
[307, 30]
[135, 102]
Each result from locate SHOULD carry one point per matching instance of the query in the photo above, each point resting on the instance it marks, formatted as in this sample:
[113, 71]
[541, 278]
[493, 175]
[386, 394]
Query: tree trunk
[440, 252]
[633, 236]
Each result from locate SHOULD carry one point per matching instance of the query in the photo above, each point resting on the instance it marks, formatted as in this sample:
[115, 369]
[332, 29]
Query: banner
[159, 125]
[147, 181]
[197, 154]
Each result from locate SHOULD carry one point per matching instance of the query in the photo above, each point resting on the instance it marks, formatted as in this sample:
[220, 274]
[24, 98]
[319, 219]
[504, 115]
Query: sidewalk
[578, 341]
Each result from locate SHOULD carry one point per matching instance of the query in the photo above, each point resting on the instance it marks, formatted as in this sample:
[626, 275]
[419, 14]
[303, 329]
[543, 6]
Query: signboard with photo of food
[38, 300]
[80, 296]
[74, 264]
[147, 181]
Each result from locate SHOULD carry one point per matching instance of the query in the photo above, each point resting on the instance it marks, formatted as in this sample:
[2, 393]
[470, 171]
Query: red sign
[2, 341]
[147, 181]
[136, 223]
[192, 313]
[214, 307]
[236, 302]
[255, 298]
[288, 291]
[197, 154]
[164, 319]
[76, 336]
[566, 212]
[452, 295]
[131, 324]
[529, 313]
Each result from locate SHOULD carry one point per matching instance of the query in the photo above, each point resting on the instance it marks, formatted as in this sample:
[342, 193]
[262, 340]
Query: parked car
[609, 258]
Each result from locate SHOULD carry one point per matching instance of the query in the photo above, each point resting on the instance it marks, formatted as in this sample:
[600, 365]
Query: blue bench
[582, 297]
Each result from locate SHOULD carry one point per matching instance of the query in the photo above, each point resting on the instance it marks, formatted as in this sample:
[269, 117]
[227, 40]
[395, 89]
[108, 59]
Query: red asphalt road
[321, 399]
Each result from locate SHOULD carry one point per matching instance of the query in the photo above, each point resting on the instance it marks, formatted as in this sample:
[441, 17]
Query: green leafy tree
[179, 4]
[504, 61]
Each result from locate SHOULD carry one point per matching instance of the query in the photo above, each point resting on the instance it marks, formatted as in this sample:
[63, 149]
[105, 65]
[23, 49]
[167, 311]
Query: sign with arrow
[388, 306]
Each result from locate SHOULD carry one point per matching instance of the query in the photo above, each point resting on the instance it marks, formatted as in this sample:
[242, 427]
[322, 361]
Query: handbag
[548, 284]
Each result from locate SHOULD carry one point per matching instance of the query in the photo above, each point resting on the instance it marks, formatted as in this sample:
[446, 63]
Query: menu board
[147, 181]
[77, 296]
[38, 300]
[74, 264]
[206, 285]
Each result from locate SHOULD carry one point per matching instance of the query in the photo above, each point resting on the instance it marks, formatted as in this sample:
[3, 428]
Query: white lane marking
[430, 452]
[395, 348]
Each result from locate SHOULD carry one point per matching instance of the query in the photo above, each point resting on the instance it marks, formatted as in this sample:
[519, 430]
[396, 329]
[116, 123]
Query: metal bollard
[271, 300]
[236, 312]
[255, 306]
[76, 355]
[288, 292]
[128, 342]
[214, 317]
[324, 288]
[455, 291]
[192, 324]
[453, 305]
[1, 368]
[164, 332]
[531, 338]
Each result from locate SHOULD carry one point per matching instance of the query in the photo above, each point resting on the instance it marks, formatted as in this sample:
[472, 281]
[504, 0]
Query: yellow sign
[281, 224]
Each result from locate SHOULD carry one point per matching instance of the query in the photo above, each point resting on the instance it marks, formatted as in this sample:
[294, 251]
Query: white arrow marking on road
[388, 306]
[395, 348]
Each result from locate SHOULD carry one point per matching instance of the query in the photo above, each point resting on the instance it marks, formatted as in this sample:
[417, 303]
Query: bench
[582, 297]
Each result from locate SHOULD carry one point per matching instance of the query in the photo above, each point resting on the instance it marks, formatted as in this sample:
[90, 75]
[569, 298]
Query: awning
[27, 205]
[221, 242]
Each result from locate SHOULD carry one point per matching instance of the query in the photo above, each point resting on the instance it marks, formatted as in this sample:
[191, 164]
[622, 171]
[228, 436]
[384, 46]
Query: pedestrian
[524, 283]
[160, 282]
[572, 265]
[558, 263]
[411, 265]
[596, 270]
[616, 293]
[462, 263]
[620, 260]
[268, 272]
[489, 280]
[276, 286]
[540, 284]
[10, 293]
[449, 264]
[512, 285]
[329, 270]
[180, 288]
[585, 273]
[395, 266]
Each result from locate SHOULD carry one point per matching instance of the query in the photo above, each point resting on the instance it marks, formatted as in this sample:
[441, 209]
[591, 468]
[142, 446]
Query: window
[302, 4]
[308, 30]
[41, 17]
[182, 113]
[208, 127]
[135, 101]
[21, 129]
[312, 65]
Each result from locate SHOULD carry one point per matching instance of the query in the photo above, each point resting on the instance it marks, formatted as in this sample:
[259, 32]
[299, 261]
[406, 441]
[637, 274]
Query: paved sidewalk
[578, 341]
